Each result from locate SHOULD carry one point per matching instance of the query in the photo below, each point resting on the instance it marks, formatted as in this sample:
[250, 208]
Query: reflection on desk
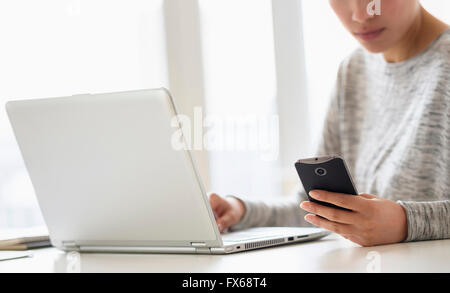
[330, 254]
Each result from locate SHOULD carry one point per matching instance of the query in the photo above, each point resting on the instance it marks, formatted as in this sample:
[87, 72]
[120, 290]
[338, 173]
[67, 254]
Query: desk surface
[330, 254]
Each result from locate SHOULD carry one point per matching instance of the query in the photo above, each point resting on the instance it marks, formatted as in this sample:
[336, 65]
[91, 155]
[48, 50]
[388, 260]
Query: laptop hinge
[198, 244]
[201, 247]
[70, 245]
[203, 250]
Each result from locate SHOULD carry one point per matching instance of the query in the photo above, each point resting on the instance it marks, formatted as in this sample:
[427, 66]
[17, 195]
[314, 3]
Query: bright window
[64, 47]
[240, 89]
[327, 43]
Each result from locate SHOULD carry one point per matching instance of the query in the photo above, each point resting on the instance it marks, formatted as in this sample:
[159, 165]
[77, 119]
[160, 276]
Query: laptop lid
[105, 172]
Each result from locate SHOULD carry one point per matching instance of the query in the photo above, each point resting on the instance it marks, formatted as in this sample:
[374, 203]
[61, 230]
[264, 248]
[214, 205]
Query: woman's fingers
[329, 225]
[217, 204]
[368, 196]
[222, 211]
[330, 213]
[224, 222]
[348, 201]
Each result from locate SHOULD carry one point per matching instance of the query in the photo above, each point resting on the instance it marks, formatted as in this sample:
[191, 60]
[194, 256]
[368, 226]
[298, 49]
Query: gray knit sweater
[391, 123]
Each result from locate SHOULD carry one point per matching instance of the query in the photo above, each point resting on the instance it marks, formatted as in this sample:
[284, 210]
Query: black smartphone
[328, 173]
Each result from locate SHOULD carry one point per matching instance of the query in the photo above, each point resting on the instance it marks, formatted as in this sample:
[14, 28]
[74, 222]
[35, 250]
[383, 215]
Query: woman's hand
[227, 211]
[371, 221]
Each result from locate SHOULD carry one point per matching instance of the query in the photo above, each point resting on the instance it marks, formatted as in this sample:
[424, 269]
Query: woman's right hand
[228, 211]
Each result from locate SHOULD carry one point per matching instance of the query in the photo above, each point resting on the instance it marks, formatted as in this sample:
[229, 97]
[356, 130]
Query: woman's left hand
[371, 221]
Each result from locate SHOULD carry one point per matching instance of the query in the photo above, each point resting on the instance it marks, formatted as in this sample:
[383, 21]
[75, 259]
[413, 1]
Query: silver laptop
[107, 177]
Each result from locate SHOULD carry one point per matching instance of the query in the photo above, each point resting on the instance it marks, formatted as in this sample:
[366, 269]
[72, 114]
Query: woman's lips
[369, 35]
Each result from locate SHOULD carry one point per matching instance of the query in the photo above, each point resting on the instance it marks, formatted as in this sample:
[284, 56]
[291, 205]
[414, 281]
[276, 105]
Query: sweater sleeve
[266, 213]
[427, 220]
[272, 213]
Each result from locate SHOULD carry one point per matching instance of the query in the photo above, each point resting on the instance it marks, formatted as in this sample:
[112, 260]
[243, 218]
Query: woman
[390, 119]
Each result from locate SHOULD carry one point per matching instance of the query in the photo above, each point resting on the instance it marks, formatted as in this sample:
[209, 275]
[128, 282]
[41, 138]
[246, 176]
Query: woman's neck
[425, 29]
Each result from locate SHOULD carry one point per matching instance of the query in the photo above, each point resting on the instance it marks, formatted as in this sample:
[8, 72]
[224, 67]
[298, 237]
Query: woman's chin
[373, 48]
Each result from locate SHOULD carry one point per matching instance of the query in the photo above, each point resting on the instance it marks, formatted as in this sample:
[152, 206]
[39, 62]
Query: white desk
[331, 254]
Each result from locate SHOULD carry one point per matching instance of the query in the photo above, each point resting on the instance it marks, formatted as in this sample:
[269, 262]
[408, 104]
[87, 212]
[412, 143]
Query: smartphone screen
[328, 173]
